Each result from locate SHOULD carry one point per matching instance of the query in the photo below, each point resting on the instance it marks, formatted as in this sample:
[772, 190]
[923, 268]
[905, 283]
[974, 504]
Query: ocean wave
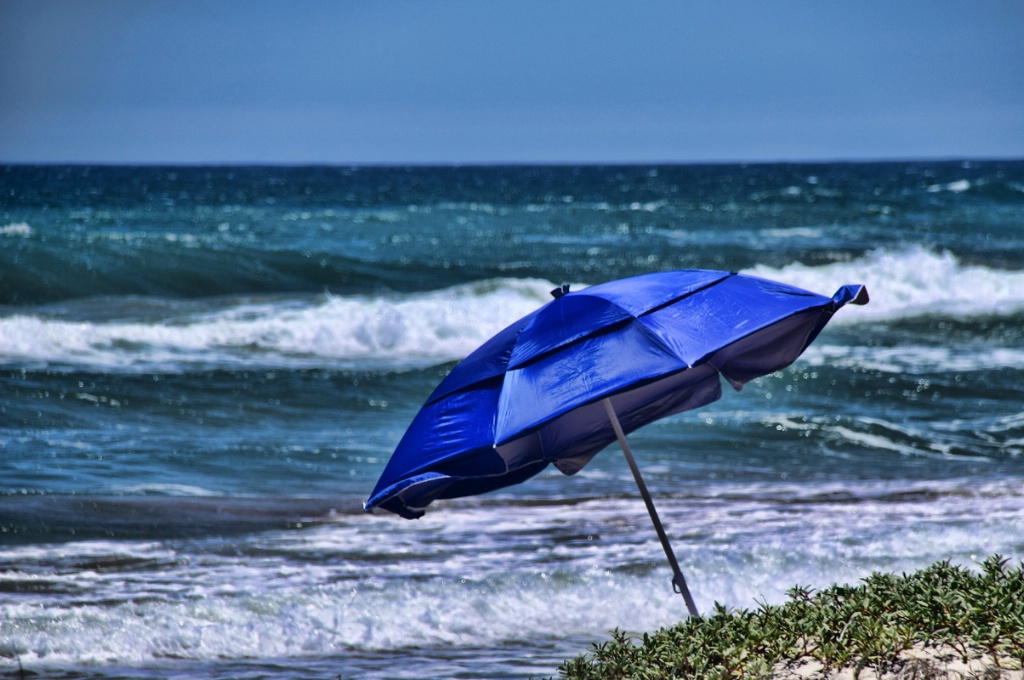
[408, 331]
[909, 283]
[403, 331]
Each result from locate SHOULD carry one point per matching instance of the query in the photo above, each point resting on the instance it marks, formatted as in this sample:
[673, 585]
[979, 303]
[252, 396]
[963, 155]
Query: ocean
[203, 371]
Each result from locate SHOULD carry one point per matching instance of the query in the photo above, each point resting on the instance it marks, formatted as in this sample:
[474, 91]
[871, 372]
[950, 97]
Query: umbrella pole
[678, 582]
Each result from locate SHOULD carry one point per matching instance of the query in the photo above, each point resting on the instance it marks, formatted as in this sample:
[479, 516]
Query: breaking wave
[911, 283]
[401, 331]
[405, 331]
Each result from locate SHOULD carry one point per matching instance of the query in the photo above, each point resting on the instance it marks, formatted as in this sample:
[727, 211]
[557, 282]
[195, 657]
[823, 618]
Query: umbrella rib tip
[560, 291]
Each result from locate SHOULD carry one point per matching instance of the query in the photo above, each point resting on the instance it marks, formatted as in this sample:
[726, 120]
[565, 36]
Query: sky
[517, 81]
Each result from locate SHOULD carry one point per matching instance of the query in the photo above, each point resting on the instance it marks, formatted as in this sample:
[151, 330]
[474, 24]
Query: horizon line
[839, 160]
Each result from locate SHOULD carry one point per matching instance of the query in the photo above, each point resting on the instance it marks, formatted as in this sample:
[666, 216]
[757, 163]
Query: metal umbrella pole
[678, 582]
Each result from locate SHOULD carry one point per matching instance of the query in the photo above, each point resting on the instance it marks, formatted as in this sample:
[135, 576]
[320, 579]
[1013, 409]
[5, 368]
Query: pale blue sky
[471, 81]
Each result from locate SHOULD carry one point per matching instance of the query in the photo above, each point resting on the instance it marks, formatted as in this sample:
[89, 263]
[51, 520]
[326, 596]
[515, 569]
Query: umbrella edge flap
[410, 497]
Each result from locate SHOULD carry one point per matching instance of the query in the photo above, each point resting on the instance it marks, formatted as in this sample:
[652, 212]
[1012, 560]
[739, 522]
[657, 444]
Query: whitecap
[17, 229]
[956, 187]
[793, 232]
[907, 283]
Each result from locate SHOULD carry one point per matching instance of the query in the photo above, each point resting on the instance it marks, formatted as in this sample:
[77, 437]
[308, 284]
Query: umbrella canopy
[562, 383]
[532, 395]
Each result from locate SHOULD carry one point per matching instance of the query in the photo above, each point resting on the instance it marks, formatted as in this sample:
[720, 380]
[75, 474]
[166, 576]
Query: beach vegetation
[918, 625]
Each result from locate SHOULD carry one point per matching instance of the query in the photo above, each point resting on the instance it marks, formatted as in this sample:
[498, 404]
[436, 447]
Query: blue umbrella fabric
[553, 387]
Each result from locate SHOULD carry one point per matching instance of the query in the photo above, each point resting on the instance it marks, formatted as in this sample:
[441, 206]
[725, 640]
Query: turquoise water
[203, 371]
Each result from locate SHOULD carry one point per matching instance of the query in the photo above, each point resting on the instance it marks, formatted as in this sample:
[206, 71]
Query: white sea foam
[915, 358]
[793, 232]
[481, 575]
[957, 187]
[167, 490]
[16, 229]
[911, 282]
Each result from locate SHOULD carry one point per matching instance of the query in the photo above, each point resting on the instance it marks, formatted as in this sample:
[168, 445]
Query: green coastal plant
[870, 626]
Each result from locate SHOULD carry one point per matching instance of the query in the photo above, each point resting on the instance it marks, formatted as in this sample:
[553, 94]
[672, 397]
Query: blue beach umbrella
[562, 383]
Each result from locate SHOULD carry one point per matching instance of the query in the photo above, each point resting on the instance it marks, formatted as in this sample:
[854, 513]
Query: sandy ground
[938, 663]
